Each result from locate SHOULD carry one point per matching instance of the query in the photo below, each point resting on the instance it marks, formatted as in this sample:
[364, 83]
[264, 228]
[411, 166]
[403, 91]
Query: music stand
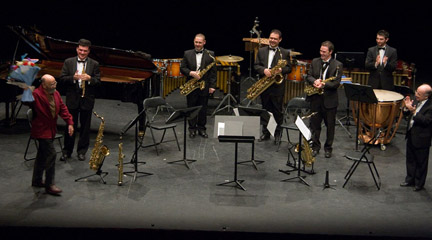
[404, 90]
[185, 114]
[300, 160]
[236, 140]
[134, 159]
[361, 94]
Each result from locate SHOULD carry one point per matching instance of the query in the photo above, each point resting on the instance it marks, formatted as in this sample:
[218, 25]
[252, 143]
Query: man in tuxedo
[321, 70]
[80, 75]
[272, 97]
[418, 136]
[381, 61]
[194, 61]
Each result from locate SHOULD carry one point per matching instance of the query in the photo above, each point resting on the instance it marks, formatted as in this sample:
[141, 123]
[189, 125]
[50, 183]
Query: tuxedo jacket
[421, 131]
[381, 74]
[261, 63]
[73, 91]
[189, 64]
[335, 69]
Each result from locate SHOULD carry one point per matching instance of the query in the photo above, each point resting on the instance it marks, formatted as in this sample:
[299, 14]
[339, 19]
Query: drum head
[387, 96]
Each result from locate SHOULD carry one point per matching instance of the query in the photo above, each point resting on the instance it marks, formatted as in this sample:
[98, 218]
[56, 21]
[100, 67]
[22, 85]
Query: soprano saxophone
[261, 85]
[194, 83]
[83, 84]
[120, 163]
[99, 151]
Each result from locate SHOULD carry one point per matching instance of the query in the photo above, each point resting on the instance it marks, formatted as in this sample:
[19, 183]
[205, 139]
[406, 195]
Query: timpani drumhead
[387, 96]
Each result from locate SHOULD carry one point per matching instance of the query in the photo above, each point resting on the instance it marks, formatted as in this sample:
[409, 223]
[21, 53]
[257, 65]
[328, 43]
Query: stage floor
[178, 202]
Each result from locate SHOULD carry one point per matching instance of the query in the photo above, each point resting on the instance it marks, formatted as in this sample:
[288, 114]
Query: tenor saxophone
[261, 85]
[120, 163]
[194, 83]
[99, 151]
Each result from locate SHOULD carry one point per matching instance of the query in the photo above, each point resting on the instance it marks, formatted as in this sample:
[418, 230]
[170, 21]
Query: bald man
[47, 106]
[418, 136]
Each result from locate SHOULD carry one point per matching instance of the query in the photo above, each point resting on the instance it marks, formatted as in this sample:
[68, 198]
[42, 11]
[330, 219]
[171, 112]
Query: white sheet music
[303, 128]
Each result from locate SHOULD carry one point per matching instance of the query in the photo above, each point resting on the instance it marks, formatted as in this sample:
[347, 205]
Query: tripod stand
[185, 114]
[99, 173]
[229, 96]
[134, 159]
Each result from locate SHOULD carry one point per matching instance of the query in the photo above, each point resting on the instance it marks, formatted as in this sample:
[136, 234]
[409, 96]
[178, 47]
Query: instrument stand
[228, 97]
[299, 177]
[185, 114]
[99, 173]
[347, 117]
[251, 54]
[326, 183]
[236, 140]
[134, 159]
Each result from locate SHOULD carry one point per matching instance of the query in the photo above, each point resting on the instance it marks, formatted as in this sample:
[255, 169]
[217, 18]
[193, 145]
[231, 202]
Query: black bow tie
[325, 64]
[273, 49]
[82, 61]
[197, 52]
[383, 48]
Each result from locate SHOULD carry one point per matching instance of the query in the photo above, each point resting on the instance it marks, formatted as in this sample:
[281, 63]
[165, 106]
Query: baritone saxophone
[194, 83]
[261, 85]
[311, 90]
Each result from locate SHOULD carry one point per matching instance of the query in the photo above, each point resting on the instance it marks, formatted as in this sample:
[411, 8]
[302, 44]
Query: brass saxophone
[306, 153]
[99, 151]
[194, 83]
[83, 84]
[261, 85]
[311, 90]
[120, 163]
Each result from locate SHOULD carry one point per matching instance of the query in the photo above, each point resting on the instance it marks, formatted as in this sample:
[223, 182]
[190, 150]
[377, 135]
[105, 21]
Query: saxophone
[83, 84]
[120, 163]
[193, 84]
[311, 90]
[306, 153]
[99, 151]
[261, 85]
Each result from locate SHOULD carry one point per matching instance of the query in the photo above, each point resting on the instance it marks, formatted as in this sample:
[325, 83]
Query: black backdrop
[165, 29]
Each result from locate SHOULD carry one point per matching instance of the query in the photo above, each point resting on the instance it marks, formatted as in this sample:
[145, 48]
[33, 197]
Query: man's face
[325, 53]
[199, 43]
[274, 40]
[49, 85]
[381, 40]
[83, 52]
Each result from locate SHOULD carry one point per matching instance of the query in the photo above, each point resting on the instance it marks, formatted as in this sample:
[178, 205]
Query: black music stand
[185, 114]
[404, 90]
[134, 159]
[299, 162]
[236, 140]
[359, 93]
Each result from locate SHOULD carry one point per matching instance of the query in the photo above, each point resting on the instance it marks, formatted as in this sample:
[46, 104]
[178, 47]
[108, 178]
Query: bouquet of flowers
[23, 74]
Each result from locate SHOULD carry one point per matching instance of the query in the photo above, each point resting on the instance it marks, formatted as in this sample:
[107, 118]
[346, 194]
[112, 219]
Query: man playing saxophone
[195, 60]
[325, 104]
[272, 97]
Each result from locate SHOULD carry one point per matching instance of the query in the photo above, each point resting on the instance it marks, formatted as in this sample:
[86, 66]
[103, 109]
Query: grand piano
[126, 75]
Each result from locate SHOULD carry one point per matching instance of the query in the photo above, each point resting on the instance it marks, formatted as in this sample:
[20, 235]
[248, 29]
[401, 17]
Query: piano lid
[58, 50]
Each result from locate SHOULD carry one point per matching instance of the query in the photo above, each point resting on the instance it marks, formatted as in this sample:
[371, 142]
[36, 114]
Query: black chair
[57, 137]
[152, 106]
[298, 106]
[364, 156]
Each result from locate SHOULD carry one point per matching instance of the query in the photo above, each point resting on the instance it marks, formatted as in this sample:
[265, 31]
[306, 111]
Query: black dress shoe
[64, 157]
[315, 153]
[405, 184]
[202, 133]
[192, 133]
[53, 190]
[264, 137]
[81, 157]
[416, 189]
[327, 154]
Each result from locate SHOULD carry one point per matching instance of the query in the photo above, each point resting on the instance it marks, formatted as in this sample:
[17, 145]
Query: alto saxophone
[99, 151]
[311, 90]
[194, 83]
[261, 85]
[120, 163]
[306, 153]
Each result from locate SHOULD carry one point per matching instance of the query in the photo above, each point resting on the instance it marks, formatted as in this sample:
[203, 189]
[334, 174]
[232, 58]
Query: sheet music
[303, 128]
[271, 125]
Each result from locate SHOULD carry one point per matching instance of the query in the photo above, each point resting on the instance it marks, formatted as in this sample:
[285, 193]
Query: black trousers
[416, 164]
[45, 162]
[195, 99]
[273, 104]
[84, 117]
[329, 117]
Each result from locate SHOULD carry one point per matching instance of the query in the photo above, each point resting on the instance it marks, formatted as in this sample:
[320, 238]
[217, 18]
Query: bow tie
[273, 49]
[198, 52]
[325, 64]
[82, 61]
[383, 48]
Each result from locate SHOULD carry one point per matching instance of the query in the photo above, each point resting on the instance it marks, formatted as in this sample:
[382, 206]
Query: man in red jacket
[47, 106]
